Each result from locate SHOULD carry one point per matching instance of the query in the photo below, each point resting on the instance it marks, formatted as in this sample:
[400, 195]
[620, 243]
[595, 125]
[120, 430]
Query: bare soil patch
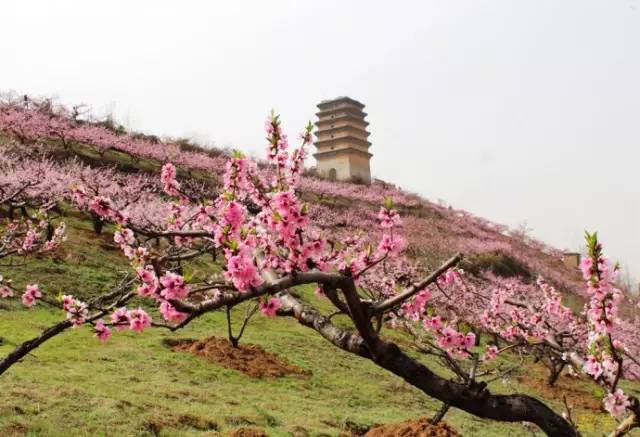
[247, 432]
[249, 359]
[14, 430]
[413, 428]
[156, 425]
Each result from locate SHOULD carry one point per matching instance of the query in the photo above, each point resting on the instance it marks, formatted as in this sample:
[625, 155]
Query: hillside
[135, 385]
[436, 231]
[140, 386]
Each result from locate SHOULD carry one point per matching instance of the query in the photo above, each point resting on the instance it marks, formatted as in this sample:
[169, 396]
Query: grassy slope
[134, 385]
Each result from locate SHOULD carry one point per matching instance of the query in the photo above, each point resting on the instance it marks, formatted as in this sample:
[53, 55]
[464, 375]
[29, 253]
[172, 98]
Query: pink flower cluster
[616, 403]
[391, 244]
[415, 308]
[168, 178]
[454, 342]
[102, 331]
[77, 311]
[124, 237]
[31, 294]
[169, 312]
[601, 366]
[518, 311]
[604, 361]
[5, 288]
[270, 307]
[173, 286]
[139, 320]
[451, 340]
[104, 207]
[605, 296]
[388, 218]
[241, 269]
[136, 320]
[490, 353]
[449, 278]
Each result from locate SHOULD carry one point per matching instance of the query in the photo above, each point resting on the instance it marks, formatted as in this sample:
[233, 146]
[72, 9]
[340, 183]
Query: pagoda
[343, 147]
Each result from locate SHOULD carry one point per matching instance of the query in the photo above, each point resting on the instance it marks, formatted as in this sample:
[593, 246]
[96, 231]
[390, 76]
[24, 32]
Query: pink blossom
[102, 331]
[29, 239]
[490, 354]
[169, 313]
[77, 311]
[593, 367]
[102, 206]
[67, 302]
[242, 271]
[139, 320]
[391, 245]
[79, 195]
[124, 236]
[432, 323]
[5, 291]
[148, 289]
[174, 286]
[32, 292]
[120, 318]
[449, 277]
[270, 307]
[616, 403]
[168, 178]
[586, 265]
[388, 218]
[234, 215]
[146, 274]
[468, 341]
[448, 338]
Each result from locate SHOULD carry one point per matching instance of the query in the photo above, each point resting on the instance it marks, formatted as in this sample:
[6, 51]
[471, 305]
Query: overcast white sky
[514, 110]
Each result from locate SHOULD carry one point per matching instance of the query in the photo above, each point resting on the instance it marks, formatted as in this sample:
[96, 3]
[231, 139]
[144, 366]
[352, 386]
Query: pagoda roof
[359, 113]
[342, 99]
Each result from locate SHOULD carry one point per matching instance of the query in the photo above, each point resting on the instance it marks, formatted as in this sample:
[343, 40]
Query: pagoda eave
[345, 151]
[347, 139]
[345, 109]
[343, 129]
[330, 121]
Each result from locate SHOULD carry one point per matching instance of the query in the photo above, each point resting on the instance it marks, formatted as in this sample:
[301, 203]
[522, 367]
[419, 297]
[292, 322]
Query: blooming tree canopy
[267, 240]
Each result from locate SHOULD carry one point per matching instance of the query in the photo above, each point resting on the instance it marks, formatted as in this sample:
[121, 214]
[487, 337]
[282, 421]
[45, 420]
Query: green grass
[84, 265]
[134, 385]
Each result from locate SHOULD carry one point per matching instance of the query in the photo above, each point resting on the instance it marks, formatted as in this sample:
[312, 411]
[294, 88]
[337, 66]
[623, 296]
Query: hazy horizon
[515, 111]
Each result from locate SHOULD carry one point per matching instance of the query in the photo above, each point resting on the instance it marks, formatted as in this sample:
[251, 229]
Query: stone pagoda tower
[343, 148]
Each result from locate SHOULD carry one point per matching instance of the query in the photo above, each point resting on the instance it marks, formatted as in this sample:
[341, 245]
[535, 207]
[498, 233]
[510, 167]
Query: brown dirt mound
[250, 359]
[247, 432]
[413, 428]
[14, 430]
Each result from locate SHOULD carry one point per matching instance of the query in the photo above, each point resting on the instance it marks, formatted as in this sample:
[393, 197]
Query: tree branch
[474, 399]
[399, 298]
